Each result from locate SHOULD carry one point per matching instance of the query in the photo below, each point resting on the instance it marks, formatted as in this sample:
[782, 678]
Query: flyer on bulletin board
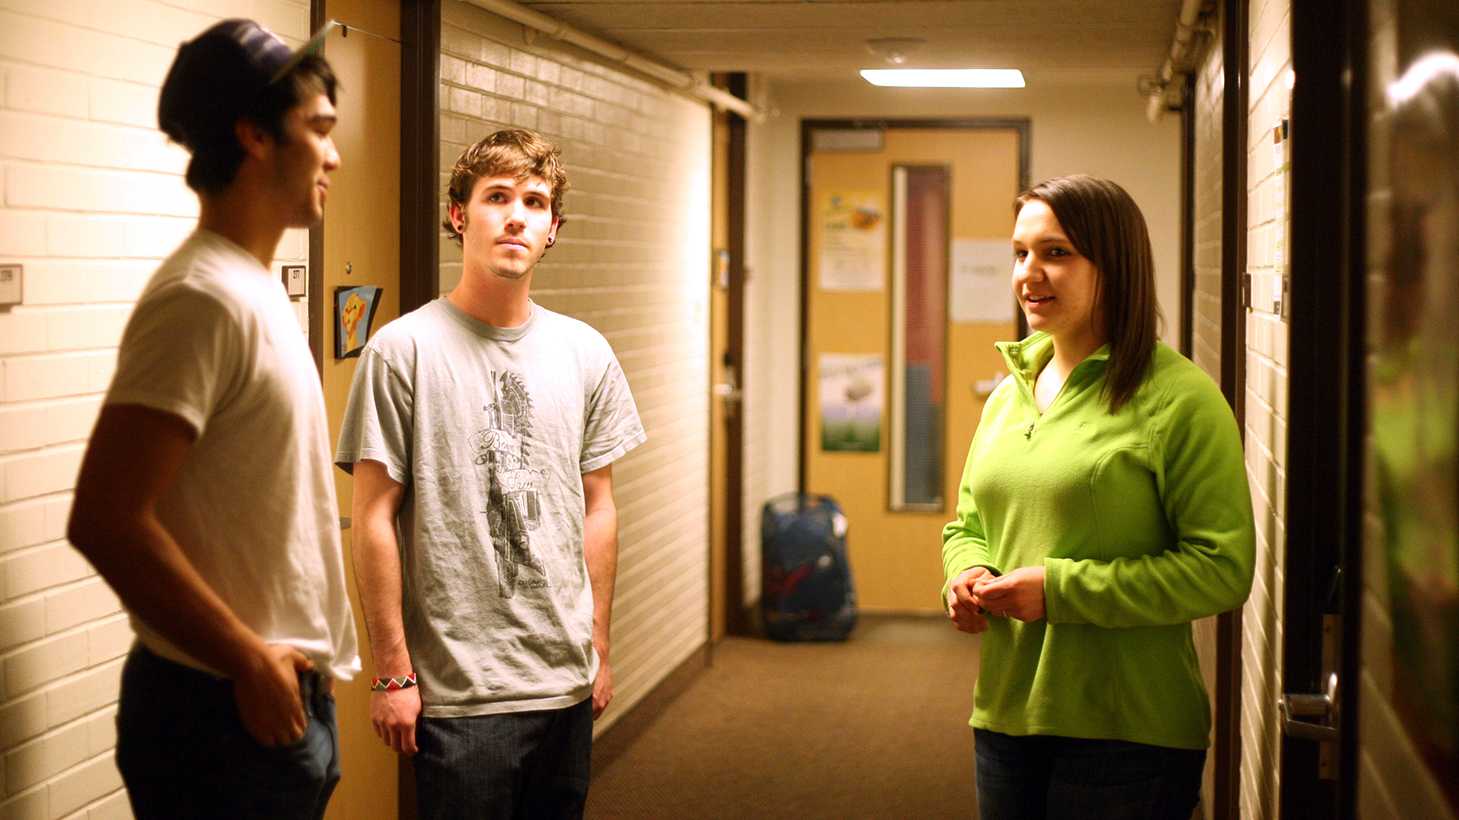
[979, 290]
[852, 395]
[853, 241]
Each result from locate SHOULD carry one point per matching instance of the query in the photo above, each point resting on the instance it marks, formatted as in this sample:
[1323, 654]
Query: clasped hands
[977, 594]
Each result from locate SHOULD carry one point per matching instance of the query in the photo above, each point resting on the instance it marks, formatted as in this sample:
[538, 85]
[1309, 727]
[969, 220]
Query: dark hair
[1105, 225]
[514, 152]
[216, 159]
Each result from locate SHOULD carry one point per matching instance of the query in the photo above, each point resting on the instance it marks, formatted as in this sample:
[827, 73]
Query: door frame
[892, 396]
[420, 151]
[1022, 125]
[1327, 331]
[738, 619]
[420, 34]
[1235, 298]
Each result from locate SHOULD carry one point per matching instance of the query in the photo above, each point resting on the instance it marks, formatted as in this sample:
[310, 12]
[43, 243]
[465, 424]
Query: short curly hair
[514, 152]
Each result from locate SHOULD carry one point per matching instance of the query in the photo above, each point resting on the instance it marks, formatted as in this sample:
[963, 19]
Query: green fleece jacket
[1142, 522]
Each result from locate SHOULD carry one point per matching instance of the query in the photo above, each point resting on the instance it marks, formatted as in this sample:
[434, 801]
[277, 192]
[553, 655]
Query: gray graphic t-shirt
[489, 430]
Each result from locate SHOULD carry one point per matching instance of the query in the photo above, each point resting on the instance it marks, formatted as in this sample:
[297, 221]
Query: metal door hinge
[1245, 290]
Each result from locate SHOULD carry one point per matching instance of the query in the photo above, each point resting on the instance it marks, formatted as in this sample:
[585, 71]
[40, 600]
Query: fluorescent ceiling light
[944, 77]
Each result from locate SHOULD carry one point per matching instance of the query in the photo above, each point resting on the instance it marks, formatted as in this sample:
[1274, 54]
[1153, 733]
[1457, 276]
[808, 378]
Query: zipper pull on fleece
[1028, 434]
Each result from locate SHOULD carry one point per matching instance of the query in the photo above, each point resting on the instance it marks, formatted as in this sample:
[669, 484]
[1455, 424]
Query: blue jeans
[183, 752]
[1065, 778]
[512, 765]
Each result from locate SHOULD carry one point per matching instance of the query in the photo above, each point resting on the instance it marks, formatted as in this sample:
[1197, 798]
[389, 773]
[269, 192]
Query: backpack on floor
[806, 590]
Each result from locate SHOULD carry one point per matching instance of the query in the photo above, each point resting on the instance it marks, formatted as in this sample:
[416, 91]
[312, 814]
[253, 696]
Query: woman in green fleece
[1104, 506]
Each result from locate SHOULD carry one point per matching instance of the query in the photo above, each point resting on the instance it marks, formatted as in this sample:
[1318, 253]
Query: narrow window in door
[920, 201]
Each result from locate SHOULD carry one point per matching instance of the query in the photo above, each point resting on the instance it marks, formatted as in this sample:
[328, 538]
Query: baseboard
[608, 746]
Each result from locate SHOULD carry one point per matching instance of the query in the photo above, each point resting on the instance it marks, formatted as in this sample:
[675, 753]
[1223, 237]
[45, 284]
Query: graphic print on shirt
[513, 507]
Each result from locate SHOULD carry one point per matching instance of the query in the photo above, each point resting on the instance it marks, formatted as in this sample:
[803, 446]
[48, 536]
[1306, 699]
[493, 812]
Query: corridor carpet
[875, 727]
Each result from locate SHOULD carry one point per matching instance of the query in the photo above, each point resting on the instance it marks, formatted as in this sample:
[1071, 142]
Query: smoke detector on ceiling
[894, 50]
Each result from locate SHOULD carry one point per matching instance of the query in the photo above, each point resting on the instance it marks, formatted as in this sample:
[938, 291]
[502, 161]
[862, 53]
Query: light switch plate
[10, 291]
[295, 277]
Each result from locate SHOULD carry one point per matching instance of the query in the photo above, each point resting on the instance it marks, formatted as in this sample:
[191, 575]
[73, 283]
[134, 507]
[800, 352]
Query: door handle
[1311, 716]
[728, 391]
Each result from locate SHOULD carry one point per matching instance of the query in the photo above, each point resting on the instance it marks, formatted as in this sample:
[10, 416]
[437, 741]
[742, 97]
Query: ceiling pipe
[676, 78]
[1167, 91]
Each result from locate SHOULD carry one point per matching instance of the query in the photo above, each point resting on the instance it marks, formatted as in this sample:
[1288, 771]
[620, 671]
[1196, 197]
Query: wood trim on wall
[738, 621]
[1234, 106]
[420, 117]
[316, 247]
[420, 149]
[1188, 218]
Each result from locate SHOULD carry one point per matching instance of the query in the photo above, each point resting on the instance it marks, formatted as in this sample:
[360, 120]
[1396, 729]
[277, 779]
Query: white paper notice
[853, 241]
[979, 281]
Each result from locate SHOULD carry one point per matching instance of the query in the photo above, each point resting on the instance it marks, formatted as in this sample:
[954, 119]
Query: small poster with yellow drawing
[852, 241]
[851, 402]
[354, 311]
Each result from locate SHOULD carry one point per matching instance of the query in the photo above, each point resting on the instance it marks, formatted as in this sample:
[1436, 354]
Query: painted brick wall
[93, 199]
[1269, 69]
[632, 261]
[1210, 94]
[1393, 781]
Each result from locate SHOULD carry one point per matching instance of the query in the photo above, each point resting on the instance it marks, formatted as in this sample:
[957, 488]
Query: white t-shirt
[490, 431]
[213, 340]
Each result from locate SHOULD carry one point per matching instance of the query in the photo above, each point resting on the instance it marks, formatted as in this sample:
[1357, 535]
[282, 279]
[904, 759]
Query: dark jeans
[513, 765]
[1065, 778]
[183, 752]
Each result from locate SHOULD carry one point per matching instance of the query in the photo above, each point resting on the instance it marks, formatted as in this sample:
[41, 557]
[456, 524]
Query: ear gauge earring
[551, 240]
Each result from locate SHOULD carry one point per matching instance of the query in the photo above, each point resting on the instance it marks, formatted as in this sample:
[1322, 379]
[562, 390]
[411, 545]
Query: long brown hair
[1105, 225]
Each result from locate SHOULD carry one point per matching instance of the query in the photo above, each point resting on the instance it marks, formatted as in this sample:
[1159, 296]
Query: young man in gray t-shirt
[481, 431]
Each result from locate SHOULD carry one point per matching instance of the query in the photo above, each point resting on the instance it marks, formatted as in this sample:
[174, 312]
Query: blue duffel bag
[806, 592]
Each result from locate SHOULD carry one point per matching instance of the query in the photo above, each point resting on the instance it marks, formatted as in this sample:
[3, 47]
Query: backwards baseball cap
[219, 75]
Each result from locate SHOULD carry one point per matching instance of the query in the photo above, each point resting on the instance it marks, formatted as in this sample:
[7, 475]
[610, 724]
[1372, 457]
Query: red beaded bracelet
[392, 684]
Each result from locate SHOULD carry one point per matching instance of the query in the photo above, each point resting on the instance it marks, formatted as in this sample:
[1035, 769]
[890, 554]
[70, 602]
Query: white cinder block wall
[632, 260]
[1266, 403]
[93, 199]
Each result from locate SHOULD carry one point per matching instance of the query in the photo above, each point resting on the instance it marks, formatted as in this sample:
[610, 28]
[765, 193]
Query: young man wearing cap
[205, 498]
[481, 430]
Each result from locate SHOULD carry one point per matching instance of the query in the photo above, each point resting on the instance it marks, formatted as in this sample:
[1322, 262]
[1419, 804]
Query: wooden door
[849, 302]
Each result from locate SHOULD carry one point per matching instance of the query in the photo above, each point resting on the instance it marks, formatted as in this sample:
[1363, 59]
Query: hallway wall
[1094, 128]
[632, 260]
[93, 200]
[1267, 184]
